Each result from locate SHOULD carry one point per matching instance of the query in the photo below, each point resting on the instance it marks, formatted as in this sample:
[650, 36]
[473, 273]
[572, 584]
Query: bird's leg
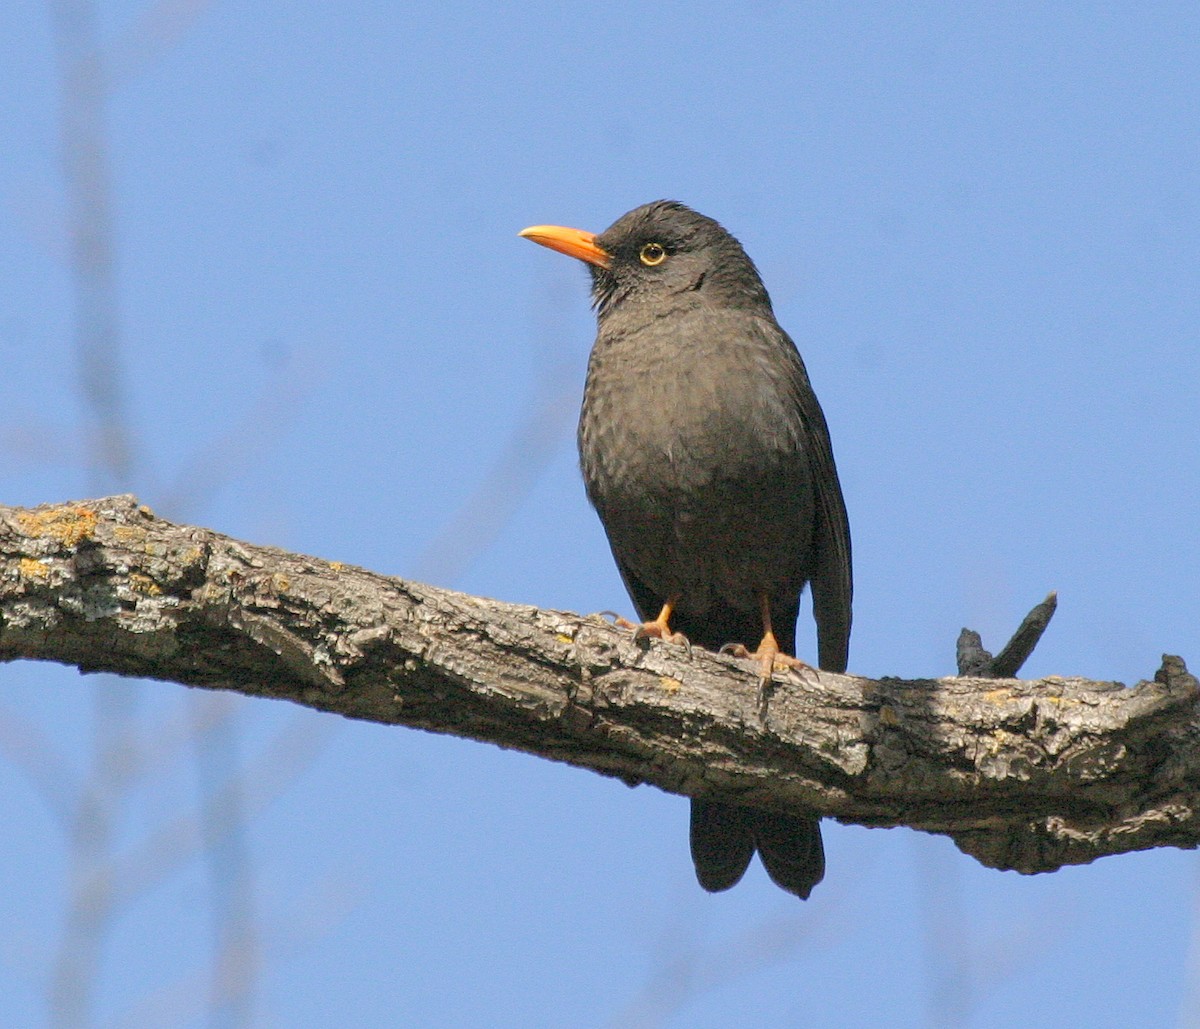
[659, 628]
[768, 654]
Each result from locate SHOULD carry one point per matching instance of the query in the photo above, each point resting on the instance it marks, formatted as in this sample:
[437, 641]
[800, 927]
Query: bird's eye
[652, 254]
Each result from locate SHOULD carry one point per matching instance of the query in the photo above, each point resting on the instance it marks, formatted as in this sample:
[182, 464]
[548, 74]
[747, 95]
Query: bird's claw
[656, 630]
[771, 660]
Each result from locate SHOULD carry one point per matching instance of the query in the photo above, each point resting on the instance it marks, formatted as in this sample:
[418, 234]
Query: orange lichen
[70, 526]
[144, 584]
[32, 569]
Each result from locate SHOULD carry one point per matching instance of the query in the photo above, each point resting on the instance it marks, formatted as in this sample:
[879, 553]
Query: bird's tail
[791, 850]
[724, 838]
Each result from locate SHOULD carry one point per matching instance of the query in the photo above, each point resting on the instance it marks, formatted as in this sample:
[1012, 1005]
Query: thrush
[707, 457]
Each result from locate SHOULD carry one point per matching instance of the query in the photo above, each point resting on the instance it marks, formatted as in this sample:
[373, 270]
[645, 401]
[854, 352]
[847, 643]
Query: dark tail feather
[790, 849]
[724, 836]
[722, 843]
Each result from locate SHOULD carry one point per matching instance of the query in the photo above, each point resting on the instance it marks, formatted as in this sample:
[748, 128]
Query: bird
[707, 457]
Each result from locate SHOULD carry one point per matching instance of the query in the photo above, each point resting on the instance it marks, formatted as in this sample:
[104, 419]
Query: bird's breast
[693, 455]
[678, 409]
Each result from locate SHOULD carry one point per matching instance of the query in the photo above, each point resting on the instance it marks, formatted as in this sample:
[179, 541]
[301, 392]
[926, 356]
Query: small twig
[974, 661]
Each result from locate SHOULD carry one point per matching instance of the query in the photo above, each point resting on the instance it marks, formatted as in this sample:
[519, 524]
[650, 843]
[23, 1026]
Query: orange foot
[770, 660]
[769, 657]
[659, 628]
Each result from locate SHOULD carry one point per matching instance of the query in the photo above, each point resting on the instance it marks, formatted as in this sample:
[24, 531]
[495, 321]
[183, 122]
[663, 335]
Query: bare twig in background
[966, 962]
[85, 89]
[88, 185]
[238, 962]
[96, 896]
[157, 28]
[234, 451]
[307, 916]
[121, 750]
[688, 970]
[551, 409]
[28, 748]
[87, 182]
[236, 948]
[180, 839]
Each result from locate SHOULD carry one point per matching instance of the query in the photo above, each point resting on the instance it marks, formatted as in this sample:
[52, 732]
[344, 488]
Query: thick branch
[1029, 775]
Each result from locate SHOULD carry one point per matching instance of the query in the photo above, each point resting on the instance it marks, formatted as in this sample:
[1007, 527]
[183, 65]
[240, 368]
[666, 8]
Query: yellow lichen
[669, 684]
[144, 584]
[1000, 739]
[127, 533]
[32, 569]
[282, 582]
[69, 525]
[336, 566]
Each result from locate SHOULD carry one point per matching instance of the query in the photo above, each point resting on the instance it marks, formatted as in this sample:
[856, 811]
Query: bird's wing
[647, 602]
[832, 580]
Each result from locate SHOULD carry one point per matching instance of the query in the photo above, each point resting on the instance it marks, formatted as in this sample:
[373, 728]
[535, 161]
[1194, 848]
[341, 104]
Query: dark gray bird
[707, 457]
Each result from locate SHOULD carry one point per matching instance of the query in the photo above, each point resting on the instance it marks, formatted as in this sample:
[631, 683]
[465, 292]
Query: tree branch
[974, 660]
[1027, 775]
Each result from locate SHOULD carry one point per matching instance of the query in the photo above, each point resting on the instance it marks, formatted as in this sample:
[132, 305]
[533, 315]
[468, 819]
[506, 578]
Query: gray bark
[1025, 775]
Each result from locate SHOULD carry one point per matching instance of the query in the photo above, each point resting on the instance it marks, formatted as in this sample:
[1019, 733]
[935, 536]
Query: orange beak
[572, 242]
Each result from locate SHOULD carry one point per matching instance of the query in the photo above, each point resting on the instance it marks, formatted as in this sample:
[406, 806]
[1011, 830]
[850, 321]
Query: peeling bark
[1025, 775]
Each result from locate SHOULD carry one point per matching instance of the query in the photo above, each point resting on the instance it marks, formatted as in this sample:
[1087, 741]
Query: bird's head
[659, 250]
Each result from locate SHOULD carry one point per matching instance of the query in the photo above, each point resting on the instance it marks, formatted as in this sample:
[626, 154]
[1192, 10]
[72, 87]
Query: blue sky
[980, 224]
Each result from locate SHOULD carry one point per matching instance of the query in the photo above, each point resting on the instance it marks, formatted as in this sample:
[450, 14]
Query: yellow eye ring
[652, 254]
